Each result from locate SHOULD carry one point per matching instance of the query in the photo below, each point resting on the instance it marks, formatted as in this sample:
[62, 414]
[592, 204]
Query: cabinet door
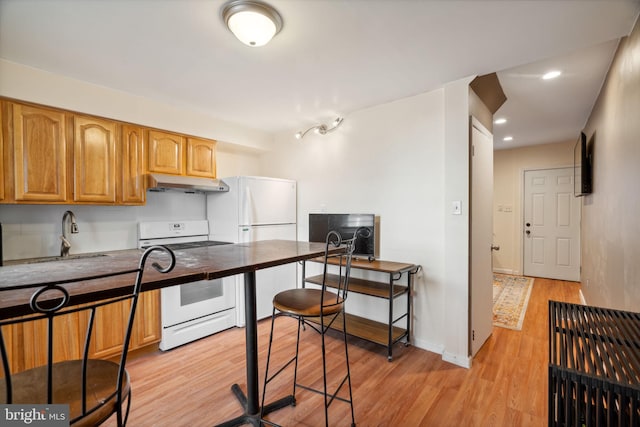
[27, 342]
[40, 154]
[132, 189]
[94, 160]
[166, 153]
[109, 328]
[201, 157]
[147, 329]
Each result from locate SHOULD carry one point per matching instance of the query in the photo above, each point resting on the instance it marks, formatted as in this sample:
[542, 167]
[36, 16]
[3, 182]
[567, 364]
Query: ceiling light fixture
[500, 121]
[254, 23]
[551, 75]
[321, 129]
[507, 138]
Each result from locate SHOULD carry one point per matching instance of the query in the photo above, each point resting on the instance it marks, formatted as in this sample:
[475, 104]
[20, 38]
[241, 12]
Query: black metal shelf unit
[594, 366]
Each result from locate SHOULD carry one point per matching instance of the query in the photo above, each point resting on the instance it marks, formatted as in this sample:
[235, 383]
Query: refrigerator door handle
[247, 207]
[246, 234]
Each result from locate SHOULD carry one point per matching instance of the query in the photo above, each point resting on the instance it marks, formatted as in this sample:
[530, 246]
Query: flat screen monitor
[583, 165]
[345, 224]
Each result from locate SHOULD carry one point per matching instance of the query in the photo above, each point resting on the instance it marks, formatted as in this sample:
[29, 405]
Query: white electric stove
[197, 309]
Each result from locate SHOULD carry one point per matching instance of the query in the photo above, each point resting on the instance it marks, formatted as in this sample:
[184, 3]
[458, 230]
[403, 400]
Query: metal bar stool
[319, 309]
[50, 372]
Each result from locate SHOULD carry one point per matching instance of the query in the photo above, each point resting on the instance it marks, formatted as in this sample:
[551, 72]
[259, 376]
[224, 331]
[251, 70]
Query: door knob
[528, 224]
[495, 248]
[528, 232]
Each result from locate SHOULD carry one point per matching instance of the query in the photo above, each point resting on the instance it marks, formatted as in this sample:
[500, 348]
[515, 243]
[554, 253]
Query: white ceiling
[332, 57]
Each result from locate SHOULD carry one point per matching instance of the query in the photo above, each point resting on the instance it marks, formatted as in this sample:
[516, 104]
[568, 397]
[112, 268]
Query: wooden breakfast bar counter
[192, 265]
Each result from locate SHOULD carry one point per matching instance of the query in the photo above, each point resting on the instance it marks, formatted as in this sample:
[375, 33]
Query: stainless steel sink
[60, 258]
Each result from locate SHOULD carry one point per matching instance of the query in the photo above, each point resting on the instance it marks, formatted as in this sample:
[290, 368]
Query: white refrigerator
[256, 208]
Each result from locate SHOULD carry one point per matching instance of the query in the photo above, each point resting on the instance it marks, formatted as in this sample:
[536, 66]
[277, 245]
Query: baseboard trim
[457, 359]
[583, 301]
[503, 271]
[429, 346]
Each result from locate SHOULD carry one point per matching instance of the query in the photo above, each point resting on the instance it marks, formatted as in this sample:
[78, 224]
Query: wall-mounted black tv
[346, 224]
[583, 165]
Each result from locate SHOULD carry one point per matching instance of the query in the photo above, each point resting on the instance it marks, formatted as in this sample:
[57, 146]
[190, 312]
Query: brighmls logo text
[34, 415]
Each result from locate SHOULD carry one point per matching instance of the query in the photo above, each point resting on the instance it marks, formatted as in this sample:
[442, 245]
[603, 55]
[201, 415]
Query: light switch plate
[456, 207]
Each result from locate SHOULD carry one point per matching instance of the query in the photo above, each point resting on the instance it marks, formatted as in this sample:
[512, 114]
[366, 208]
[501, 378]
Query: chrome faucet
[66, 245]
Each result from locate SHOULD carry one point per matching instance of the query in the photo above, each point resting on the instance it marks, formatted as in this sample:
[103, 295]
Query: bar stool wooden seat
[39, 375]
[318, 309]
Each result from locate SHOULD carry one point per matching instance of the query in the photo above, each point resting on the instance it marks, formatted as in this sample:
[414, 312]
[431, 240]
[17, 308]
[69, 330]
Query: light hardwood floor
[506, 386]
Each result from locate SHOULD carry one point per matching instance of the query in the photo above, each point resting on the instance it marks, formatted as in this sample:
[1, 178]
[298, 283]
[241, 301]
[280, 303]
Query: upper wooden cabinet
[132, 190]
[53, 156]
[201, 157]
[178, 155]
[94, 166]
[40, 154]
[166, 153]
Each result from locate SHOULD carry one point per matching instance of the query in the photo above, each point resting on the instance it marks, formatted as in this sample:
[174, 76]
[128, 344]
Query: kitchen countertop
[195, 264]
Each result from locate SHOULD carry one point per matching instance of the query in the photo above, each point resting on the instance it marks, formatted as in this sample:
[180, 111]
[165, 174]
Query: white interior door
[481, 287]
[551, 225]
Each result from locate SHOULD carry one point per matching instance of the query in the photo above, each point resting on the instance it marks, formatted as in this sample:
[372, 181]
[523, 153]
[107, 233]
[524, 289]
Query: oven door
[183, 303]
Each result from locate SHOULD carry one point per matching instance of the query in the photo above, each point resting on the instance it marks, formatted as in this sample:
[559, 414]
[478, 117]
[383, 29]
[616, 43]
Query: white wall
[610, 224]
[388, 160]
[233, 160]
[29, 84]
[508, 184]
[456, 238]
[31, 231]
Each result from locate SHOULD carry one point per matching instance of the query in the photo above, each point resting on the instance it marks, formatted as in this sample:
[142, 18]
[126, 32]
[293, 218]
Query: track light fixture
[321, 129]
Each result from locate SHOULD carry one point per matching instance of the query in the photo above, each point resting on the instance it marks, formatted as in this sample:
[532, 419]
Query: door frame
[520, 227]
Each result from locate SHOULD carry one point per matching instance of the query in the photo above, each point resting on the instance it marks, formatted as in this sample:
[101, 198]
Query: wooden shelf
[361, 286]
[386, 334]
[375, 265]
[367, 329]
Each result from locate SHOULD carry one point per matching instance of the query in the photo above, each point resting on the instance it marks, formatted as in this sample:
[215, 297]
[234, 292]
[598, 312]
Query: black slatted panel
[594, 366]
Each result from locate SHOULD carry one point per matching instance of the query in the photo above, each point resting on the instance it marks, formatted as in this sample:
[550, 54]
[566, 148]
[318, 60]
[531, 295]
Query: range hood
[186, 184]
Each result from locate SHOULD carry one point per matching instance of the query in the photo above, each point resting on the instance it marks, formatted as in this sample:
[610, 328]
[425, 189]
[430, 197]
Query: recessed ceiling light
[507, 138]
[500, 121]
[551, 75]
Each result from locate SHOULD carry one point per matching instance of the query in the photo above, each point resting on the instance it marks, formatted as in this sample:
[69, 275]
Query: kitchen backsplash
[31, 231]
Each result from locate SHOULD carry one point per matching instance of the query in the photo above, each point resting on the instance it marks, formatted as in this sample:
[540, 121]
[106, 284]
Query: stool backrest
[339, 282]
[54, 331]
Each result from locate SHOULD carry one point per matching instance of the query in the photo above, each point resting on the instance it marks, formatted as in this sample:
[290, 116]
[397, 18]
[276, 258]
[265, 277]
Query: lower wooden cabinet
[108, 337]
[147, 329]
[26, 346]
[26, 342]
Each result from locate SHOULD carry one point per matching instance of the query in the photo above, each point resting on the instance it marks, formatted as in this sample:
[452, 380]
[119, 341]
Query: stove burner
[191, 245]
